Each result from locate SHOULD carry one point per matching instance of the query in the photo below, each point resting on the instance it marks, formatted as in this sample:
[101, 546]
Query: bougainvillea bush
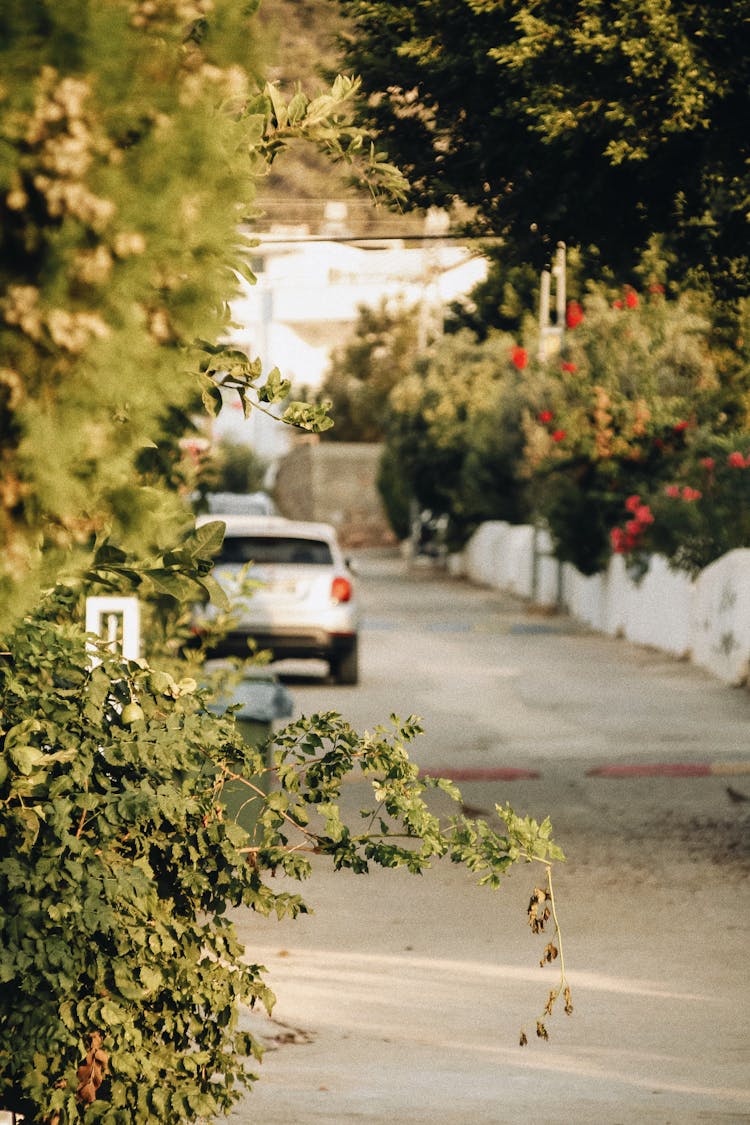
[699, 514]
[635, 381]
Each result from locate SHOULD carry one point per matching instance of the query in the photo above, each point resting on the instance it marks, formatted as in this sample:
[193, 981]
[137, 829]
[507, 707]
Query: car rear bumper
[308, 642]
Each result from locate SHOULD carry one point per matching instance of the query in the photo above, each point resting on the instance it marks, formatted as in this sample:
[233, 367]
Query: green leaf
[308, 417]
[125, 983]
[216, 593]
[211, 399]
[150, 978]
[206, 540]
[297, 107]
[275, 388]
[25, 758]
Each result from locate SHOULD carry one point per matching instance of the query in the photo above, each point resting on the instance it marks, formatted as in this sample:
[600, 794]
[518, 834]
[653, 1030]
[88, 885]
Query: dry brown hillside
[301, 36]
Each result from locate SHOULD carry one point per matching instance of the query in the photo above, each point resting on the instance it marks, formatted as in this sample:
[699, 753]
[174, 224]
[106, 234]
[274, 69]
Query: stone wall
[334, 482]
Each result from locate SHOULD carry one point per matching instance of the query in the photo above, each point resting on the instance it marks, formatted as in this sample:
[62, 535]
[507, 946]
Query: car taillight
[341, 590]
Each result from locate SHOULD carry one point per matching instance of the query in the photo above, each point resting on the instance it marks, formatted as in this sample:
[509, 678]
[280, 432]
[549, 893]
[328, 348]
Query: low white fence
[705, 620]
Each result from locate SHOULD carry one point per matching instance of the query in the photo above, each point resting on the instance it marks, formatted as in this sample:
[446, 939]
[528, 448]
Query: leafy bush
[455, 432]
[395, 493]
[700, 514]
[636, 379]
[118, 862]
[364, 371]
[232, 466]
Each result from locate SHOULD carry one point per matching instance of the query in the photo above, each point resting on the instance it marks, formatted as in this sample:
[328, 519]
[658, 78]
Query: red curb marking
[660, 769]
[480, 773]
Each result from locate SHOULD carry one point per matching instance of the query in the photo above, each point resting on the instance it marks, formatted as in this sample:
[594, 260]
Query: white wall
[706, 620]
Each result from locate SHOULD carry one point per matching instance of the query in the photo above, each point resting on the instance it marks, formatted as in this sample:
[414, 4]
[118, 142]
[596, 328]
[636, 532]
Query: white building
[306, 301]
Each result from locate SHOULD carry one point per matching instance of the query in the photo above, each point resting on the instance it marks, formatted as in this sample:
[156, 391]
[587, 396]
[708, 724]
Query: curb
[673, 769]
[481, 773]
[643, 769]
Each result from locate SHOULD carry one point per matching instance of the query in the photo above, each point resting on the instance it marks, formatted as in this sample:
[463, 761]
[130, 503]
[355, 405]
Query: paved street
[401, 999]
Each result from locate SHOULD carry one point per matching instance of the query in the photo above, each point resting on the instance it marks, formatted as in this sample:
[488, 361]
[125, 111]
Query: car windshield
[274, 549]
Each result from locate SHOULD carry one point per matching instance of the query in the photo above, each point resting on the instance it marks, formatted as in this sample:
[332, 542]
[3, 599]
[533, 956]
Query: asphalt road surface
[401, 999]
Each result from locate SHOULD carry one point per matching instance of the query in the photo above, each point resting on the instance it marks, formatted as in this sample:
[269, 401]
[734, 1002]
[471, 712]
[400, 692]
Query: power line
[277, 239]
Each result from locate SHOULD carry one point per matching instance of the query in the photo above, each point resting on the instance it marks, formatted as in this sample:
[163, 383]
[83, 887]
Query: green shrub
[118, 862]
[701, 513]
[636, 380]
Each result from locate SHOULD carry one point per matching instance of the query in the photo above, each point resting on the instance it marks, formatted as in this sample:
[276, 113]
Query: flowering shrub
[454, 433]
[519, 357]
[630, 537]
[573, 314]
[608, 441]
[704, 511]
[590, 460]
[635, 384]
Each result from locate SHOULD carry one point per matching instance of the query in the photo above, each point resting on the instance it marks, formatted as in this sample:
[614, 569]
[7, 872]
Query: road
[401, 999]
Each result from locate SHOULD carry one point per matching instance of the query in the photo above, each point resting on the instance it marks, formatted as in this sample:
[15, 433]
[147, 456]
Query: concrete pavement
[401, 999]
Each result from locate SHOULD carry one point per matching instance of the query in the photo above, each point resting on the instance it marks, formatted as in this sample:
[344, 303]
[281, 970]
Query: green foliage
[232, 466]
[395, 491]
[502, 301]
[116, 869]
[364, 371]
[570, 122]
[700, 514]
[118, 861]
[637, 375]
[133, 138]
[455, 434]
[645, 388]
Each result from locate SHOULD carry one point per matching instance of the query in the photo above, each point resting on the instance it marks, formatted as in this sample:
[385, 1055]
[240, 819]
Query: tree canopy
[590, 123]
[132, 138]
[364, 370]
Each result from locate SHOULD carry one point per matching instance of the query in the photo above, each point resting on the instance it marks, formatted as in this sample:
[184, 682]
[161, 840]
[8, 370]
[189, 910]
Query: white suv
[305, 604]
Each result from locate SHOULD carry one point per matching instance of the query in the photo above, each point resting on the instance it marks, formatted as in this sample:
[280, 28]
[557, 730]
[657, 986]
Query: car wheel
[345, 669]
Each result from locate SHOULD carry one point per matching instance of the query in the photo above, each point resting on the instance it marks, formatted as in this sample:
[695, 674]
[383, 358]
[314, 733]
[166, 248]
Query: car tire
[345, 669]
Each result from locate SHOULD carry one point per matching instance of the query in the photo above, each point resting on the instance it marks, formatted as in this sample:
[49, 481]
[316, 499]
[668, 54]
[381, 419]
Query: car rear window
[273, 549]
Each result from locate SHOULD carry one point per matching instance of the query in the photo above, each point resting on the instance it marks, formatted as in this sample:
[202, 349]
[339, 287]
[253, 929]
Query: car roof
[241, 503]
[270, 525]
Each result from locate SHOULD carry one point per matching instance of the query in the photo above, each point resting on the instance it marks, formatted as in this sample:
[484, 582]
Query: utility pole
[551, 333]
[430, 322]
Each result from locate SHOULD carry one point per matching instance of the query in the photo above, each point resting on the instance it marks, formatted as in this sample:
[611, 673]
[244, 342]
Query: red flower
[567, 366]
[631, 298]
[708, 463]
[681, 427]
[617, 539]
[573, 314]
[673, 491]
[689, 493]
[558, 435]
[632, 503]
[736, 460]
[644, 515]
[633, 528]
[624, 539]
[519, 357]
[545, 416]
[617, 304]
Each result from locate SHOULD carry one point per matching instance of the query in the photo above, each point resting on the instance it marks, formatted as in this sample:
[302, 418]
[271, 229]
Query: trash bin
[262, 700]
